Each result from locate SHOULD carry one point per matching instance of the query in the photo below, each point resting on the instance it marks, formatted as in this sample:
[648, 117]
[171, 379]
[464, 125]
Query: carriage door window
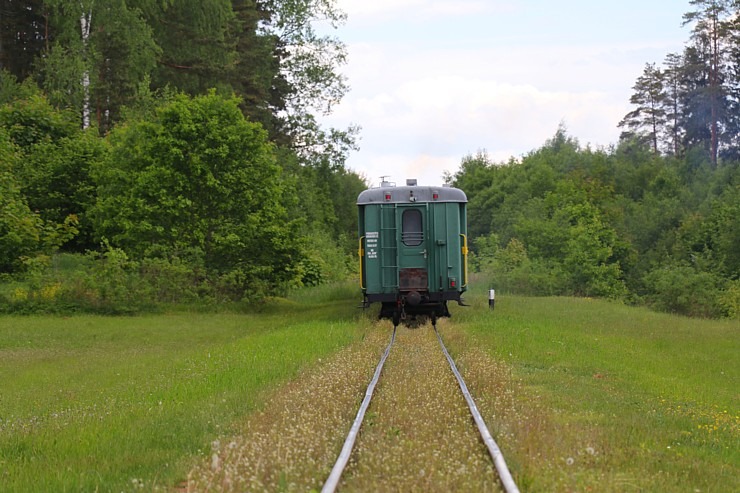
[412, 233]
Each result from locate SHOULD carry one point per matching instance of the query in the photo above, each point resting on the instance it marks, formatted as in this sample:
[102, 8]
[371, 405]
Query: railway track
[494, 451]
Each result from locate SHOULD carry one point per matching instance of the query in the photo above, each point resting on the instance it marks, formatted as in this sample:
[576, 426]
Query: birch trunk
[85, 21]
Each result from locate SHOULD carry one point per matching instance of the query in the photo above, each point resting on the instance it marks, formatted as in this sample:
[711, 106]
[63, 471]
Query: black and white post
[491, 298]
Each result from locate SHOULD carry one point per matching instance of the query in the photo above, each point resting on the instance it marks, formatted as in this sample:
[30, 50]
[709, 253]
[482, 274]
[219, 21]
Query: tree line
[170, 151]
[91, 56]
[653, 219]
[693, 100]
[162, 151]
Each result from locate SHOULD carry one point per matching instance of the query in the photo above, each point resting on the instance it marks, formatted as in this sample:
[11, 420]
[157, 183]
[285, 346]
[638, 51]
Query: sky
[433, 81]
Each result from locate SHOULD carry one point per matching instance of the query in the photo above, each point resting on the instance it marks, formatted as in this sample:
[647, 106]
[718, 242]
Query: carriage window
[412, 233]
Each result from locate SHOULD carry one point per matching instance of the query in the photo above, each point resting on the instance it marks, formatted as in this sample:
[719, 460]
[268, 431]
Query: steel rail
[336, 473]
[498, 458]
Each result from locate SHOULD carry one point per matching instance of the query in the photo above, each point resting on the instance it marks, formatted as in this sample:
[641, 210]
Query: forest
[161, 151]
[653, 219]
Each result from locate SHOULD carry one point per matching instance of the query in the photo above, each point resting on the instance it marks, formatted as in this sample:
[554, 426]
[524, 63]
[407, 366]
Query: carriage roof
[410, 194]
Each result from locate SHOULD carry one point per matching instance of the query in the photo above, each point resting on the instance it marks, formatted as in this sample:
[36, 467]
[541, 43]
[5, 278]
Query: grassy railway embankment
[90, 403]
[587, 395]
[615, 398]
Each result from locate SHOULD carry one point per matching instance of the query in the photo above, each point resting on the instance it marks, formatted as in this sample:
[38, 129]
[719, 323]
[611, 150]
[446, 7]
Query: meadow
[630, 399]
[91, 403]
[603, 397]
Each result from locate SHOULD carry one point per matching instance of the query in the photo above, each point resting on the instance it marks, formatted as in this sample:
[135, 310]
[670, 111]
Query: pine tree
[23, 35]
[695, 101]
[710, 34]
[648, 120]
[733, 85]
[197, 48]
[256, 74]
[674, 90]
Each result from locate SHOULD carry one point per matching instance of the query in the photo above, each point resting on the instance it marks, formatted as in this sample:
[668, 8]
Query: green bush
[324, 261]
[111, 285]
[200, 183]
[730, 299]
[512, 270]
[108, 283]
[684, 290]
[172, 281]
[20, 228]
[38, 292]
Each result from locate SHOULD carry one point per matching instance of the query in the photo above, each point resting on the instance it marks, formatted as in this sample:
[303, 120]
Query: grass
[653, 395]
[92, 403]
[582, 395]
[293, 442]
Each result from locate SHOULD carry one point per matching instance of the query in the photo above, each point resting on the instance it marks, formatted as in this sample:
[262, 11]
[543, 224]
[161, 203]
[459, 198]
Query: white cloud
[428, 125]
[364, 7]
[421, 8]
[428, 93]
[426, 168]
[453, 102]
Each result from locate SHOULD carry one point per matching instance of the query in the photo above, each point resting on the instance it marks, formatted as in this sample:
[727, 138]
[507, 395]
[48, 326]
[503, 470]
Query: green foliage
[325, 261]
[20, 229]
[568, 232]
[125, 53]
[265, 52]
[23, 233]
[111, 286]
[683, 289]
[11, 90]
[649, 117]
[729, 300]
[33, 120]
[61, 71]
[190, 188]
[116, 55]
[567, 220]
[691, 105]
[310, 60]
[511, 270]
[22, 33]
[58, 182]
[108, 283]
[200, 183]
[588, 255]
[53, 168]
[710, 237]
[197, 43]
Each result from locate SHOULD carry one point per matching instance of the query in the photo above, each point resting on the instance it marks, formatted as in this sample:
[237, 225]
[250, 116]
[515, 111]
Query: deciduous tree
[101, 51]
[200, 183]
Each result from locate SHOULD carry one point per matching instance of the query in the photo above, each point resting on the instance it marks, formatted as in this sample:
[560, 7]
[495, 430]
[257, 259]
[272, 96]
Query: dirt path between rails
[417, 436]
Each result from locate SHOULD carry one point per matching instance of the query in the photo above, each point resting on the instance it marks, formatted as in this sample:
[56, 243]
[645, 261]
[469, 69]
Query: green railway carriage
[413, 250]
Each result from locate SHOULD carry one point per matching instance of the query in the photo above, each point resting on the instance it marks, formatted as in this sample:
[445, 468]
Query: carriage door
[413, 252]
